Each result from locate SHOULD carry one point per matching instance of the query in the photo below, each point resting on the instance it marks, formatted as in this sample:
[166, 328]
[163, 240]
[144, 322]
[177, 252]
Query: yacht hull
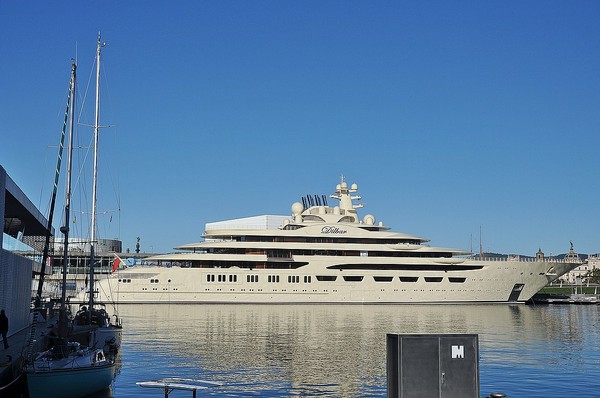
[472, 281]
[70, 383]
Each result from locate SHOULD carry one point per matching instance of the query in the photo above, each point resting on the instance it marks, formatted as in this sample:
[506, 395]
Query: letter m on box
[458, 351]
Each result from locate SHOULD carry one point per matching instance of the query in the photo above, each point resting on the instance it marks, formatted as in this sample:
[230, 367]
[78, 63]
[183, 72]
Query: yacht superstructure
[326, 254]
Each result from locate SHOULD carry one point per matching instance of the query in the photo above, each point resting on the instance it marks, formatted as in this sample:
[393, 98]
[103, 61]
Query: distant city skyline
[450, 117]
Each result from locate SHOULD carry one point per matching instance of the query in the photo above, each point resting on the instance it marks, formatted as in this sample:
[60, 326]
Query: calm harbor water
[340, 350]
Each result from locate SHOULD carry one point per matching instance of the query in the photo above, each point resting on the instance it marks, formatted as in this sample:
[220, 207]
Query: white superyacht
[325, 254]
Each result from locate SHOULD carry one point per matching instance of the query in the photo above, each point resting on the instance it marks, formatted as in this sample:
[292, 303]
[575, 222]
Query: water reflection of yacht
[326, 254]
[330, 350]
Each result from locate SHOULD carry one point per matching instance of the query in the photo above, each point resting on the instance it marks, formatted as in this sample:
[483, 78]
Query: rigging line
[115, 187]
[83, 195]
[42, 186]
[80, 161]
[116, 182]
[48, 204]
[80, 186]
[87, 89]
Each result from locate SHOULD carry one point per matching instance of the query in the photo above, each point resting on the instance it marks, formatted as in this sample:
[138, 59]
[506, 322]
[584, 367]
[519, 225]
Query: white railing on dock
[176, 383]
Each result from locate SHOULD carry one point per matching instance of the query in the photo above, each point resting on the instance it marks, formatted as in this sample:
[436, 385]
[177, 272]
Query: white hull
[495, 281]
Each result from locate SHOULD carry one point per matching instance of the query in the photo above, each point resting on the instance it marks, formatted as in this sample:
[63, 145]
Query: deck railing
[525, 259]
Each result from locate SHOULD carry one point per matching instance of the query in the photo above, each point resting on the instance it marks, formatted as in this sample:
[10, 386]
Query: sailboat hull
[70, 383]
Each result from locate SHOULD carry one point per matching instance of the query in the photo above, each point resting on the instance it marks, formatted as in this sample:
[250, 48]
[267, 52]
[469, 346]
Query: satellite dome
[297, 208]
[369, 219]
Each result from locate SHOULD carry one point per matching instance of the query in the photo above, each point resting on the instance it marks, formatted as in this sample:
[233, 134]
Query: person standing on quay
[4, 328]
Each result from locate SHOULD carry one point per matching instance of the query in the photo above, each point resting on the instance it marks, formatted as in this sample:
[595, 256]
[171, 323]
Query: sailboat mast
[65, 228]
[45, 255]
[96, 134]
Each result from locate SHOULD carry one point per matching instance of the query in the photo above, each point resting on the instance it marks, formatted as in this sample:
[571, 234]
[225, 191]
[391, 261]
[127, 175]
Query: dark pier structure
[19, 219]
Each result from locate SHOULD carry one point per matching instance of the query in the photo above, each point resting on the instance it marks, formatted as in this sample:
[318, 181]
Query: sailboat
[108, 333]
[74, 362]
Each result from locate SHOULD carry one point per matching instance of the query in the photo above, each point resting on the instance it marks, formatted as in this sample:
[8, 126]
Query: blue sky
[450, 116]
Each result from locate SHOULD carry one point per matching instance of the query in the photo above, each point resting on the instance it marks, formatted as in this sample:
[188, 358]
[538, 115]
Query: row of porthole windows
[233, 278]
[221, 278]
[308, 278]
[254, 278]
[296, 279]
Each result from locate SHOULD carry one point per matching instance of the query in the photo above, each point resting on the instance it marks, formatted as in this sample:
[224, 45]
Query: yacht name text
[333, 230]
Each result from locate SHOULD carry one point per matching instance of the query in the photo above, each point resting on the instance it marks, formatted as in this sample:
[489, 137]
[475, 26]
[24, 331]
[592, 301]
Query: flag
[117, 262]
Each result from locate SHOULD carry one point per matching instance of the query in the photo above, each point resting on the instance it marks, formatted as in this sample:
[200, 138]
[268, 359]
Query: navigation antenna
[480, 245]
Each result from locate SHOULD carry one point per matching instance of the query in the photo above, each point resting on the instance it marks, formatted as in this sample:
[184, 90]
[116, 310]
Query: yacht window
[457, 280]
[383, 278]
[409, 278]
[436, 279]
[353, 278]
[307, 278]
[313, 218]
[326, 278]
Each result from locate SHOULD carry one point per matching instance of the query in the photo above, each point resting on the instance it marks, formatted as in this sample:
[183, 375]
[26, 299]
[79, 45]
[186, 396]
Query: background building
[580, 274]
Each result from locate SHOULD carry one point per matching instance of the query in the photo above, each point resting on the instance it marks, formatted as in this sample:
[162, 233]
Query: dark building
[20, 221]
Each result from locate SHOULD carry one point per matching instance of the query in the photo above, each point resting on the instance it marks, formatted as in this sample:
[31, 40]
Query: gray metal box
[432, 365]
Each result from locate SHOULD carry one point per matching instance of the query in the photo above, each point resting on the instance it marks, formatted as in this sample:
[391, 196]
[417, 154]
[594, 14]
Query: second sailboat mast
[96, 134]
